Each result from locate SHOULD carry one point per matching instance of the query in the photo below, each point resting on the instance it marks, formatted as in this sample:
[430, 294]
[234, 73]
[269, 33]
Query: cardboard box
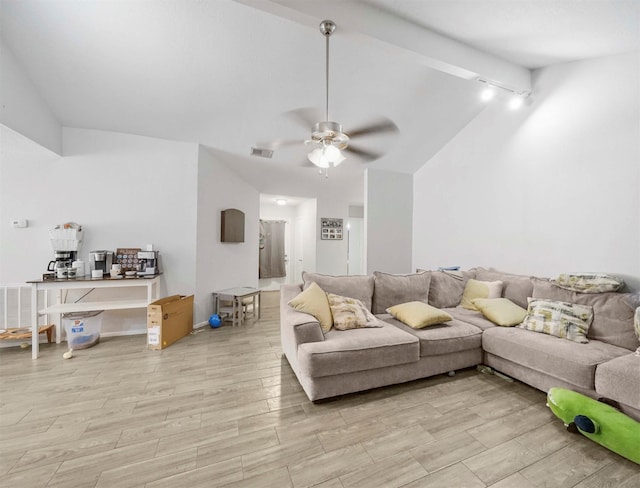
[168, 320]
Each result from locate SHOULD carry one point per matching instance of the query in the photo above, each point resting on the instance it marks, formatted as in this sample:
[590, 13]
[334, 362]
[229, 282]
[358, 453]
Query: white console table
[152, 284]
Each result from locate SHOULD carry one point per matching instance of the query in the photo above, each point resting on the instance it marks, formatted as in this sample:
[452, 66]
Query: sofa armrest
[296, 327]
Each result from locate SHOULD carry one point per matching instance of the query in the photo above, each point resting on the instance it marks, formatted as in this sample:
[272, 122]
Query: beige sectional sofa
[345, 361]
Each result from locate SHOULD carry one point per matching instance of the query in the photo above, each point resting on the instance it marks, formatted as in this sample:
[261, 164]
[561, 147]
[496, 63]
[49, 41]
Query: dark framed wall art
[330, 229]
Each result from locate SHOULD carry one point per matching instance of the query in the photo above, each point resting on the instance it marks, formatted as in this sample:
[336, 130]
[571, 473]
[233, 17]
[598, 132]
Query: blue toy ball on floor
[214, 321]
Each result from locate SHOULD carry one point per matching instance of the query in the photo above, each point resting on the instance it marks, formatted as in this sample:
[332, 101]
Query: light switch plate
[20, 223]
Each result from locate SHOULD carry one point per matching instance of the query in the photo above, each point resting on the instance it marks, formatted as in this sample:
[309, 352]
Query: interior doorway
[293, 213]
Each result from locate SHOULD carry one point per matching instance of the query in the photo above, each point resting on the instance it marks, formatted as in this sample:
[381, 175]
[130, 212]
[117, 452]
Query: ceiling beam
[404, 38]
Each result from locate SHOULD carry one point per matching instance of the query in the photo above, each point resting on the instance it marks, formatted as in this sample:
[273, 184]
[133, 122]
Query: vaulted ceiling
[224, 73]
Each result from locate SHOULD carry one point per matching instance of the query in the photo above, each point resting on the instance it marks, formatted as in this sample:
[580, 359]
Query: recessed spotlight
[281, 201]
[515, 102]
[488, 94]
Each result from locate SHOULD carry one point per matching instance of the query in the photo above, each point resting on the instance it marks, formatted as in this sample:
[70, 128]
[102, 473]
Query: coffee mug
[79, 265]
[71, 273]
[116, 267]
[96, 273]
[61, 272]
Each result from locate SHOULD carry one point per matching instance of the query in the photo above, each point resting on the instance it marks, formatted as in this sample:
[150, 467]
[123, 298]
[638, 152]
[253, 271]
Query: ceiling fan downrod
[328, 132]
[326, 29]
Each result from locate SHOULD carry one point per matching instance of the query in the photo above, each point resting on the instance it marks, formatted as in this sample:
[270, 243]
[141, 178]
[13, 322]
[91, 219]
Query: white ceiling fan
[328, 139]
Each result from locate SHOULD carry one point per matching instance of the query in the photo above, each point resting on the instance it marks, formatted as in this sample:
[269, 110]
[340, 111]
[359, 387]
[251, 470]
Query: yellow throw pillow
[418, 314]
[314, 301]
[501, 311]
[480, 289]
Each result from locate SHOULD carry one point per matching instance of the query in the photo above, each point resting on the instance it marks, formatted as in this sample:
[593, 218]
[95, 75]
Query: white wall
[222, 265]
[26, 172]
[388, 221]
[552, 188]
[125, 190]
[332, 254]
[307, 226]
[21, 107]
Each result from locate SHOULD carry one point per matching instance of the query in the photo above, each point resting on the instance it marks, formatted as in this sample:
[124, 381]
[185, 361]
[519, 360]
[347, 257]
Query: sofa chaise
[337, 362]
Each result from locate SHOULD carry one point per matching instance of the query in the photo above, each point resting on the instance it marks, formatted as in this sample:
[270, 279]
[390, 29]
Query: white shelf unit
[152, 286]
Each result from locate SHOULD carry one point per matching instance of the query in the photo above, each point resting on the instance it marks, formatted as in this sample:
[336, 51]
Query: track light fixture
[492, 89]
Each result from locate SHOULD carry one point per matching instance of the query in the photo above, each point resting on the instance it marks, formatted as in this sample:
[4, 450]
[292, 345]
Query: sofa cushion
[516, 288]
[314, 301]
[545, 289]
[636, 326]
[479, 289]
[359, 287]
[612, 317]
[612, 312]
[501, 311]
[450, 337]
[390, 289]
[418, 314]
[472, 317]
[619, 379]
[560, 319]
[445, 289]
[566, 360]
[346, 351]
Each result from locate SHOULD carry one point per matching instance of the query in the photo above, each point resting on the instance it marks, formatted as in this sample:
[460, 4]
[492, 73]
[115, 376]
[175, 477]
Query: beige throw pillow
[314, 301]
[480, 289]
[500, 311]
[350, 313]
[418, 314]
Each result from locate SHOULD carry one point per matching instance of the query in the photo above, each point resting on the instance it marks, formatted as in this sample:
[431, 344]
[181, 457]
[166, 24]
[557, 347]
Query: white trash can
[82, 328]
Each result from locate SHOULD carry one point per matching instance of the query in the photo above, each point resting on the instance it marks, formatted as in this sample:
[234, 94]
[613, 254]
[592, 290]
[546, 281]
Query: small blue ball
[214, 321]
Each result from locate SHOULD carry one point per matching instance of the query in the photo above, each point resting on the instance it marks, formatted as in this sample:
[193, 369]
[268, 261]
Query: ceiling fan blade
[363, 153]
[279, 143]
[377, 127]
[305, 117]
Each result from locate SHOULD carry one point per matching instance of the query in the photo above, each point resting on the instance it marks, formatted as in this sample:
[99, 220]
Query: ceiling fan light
[333, 155]
[317, 157]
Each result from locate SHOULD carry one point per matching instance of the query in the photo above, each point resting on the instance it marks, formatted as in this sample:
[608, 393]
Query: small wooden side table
[236, 296]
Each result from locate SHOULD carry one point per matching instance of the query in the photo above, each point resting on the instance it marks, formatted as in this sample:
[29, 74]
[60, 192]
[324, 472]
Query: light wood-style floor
[222, 408]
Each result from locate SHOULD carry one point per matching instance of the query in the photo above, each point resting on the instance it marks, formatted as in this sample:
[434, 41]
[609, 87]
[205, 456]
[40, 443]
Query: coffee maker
[148, 263]
[66, 240]
[101, 260]
[63, 259]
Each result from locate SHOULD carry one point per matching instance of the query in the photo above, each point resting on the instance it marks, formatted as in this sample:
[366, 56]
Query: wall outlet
[20, 223]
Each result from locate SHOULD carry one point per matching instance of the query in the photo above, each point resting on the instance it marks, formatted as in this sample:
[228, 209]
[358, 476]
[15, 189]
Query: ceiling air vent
[261, 153]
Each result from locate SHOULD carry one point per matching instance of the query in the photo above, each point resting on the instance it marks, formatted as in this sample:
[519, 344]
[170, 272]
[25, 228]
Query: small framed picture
[331, 229]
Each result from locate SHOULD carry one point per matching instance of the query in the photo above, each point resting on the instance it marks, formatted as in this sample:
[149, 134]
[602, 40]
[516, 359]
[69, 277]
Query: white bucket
[82, 328]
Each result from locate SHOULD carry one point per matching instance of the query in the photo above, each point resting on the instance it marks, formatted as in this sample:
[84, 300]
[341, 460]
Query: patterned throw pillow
[588, 282]
[480, 289]
[561, 319]
[350, 313]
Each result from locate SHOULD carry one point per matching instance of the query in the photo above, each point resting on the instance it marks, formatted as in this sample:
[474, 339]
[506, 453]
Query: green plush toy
[598, 421]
